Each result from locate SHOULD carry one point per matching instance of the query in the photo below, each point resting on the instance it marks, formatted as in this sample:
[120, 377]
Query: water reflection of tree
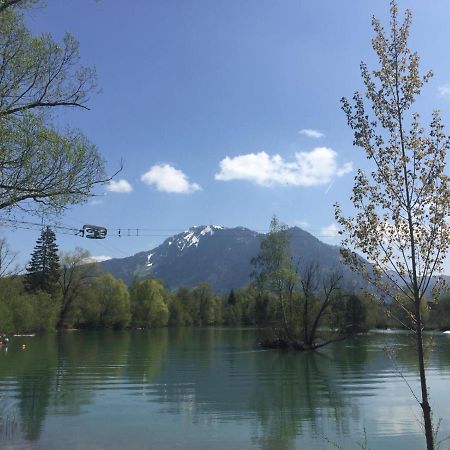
[33, 370]
[146, 355]
[299, 393]
[443, 360]
[61, 373]
[208, 375]
[85, 361]
[216, 377]
[399, 347]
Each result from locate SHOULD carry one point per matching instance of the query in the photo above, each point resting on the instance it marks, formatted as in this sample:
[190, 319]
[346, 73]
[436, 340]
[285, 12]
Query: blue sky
[232, 106]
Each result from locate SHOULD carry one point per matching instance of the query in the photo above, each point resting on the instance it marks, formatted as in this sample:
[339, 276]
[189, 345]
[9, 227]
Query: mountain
[221, 257]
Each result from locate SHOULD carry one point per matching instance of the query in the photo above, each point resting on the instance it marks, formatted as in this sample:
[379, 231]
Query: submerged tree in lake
[301, 298]
[275, 273]
[320, 294]
[402, 203]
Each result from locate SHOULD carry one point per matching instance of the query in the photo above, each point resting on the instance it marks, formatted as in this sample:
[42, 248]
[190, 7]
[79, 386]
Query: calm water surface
[214, 389]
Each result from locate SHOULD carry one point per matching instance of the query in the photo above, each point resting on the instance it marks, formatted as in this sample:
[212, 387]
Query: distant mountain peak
[192, 236]
[204, 229]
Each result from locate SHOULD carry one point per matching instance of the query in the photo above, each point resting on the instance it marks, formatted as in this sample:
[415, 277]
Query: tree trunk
[285, 321]
[312, 335]
[426, 409]
[61, 320]
[417, 297]
[63, 312]
[306, 319]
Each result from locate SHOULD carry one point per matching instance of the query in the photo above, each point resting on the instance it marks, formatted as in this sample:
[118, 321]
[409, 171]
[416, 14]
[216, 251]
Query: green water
[214, 389]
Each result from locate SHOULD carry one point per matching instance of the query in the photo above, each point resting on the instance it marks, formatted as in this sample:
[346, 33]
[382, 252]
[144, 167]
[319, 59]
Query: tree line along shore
[61, 291]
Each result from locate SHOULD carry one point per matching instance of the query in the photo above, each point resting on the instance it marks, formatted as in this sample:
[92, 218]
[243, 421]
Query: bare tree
[7, 258]
[331, 292]
[319, 293]
[309, 284]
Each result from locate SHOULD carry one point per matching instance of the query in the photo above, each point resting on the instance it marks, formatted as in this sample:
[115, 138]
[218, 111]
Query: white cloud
[444, 91]
[311, 133]
[313, 168]
[121, 186]
[99, 258]
[168, 179]
[331, 230]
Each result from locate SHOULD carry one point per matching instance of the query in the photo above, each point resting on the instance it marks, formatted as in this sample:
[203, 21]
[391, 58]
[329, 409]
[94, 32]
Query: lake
[215, 389]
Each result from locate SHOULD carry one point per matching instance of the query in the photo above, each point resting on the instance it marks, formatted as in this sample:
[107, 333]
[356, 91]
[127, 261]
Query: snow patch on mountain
[192, 236]
[210, 229]
[149, 263]
[189, 238]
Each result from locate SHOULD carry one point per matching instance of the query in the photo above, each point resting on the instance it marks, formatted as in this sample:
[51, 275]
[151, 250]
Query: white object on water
[447, 332]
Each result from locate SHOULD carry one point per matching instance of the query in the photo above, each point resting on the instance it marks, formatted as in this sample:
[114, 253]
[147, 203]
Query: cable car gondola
[93, 232]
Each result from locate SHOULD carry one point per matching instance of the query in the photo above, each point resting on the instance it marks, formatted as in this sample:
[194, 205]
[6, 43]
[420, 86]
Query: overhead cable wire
[122, 231]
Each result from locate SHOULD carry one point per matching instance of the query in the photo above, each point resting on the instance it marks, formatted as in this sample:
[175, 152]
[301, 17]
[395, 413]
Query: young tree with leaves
[303, 298]
[274, 272]
[402, 203]
[44, 269]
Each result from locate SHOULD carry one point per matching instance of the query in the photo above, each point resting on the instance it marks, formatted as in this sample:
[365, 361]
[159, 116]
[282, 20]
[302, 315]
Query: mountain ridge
[221, 257]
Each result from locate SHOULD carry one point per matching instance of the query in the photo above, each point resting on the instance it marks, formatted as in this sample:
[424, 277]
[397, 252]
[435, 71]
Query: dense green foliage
[70, 291]
[43, 270]
[284, 301]
[24, 312]
[97, 300]
[76, 272]
[105, 303]
[356, 314]
[40, 164]
[439, 314]
[149, 304]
